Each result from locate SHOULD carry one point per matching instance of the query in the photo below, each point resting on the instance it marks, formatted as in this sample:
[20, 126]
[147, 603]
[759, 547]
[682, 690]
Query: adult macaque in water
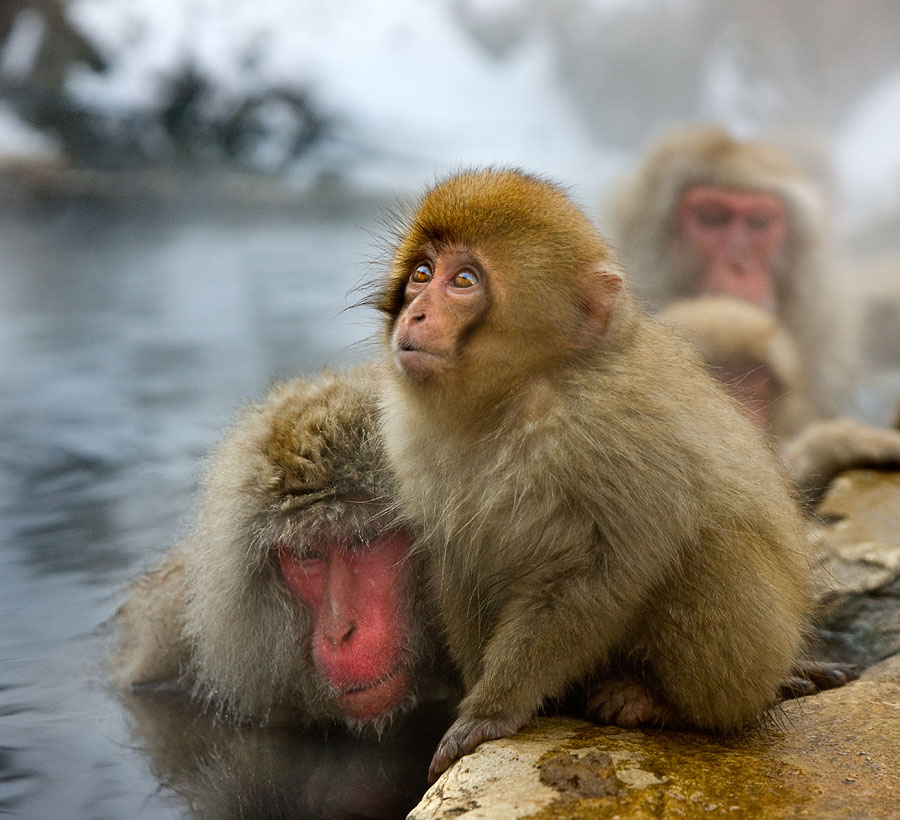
[756, 360]
[293, 599]
[710, 215]
[594, 507]
[753, 356]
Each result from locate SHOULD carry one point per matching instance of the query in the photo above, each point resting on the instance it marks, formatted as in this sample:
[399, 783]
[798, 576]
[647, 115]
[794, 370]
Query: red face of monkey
[359, 639]
[737, 236]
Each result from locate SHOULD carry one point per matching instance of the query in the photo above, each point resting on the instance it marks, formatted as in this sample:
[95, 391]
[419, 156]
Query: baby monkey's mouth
[406, 345]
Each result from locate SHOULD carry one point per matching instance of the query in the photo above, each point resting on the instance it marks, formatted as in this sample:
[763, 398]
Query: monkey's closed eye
[422, 274]
[465, 279]
[308, 552]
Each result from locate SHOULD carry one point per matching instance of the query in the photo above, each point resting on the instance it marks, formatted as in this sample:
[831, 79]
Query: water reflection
[219, 771]
[132, 327]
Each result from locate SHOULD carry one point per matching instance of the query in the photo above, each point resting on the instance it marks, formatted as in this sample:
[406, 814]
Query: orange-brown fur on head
[487, 213]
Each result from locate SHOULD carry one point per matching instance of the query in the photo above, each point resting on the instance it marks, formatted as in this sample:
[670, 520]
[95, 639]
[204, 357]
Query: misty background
[190, 192]
[390, 93]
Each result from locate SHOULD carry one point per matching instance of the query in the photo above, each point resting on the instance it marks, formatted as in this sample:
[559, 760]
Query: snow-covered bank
[408, 87]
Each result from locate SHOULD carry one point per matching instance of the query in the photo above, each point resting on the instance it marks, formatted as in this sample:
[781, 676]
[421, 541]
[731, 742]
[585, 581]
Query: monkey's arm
[827, 448]
[554, 632]
[152, 650]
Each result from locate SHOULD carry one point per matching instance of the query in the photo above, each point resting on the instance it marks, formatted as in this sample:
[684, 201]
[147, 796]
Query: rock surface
[863, 507]
[834, 755]
[861, 608]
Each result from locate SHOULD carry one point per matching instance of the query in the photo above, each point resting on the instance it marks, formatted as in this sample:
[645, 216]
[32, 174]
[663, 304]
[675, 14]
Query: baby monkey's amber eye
[465, 279]
[421, 274]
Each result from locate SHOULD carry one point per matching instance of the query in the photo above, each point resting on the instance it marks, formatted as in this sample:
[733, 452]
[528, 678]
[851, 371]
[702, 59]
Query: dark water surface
[132, 327]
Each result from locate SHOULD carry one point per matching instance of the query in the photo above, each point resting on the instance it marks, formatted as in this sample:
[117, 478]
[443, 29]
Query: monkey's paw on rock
[835, 755]
[464, 736]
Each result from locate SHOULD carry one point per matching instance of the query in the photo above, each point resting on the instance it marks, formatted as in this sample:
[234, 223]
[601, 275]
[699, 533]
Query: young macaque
[293, 600]
[753, 356]
[595, 509]
[707, 214]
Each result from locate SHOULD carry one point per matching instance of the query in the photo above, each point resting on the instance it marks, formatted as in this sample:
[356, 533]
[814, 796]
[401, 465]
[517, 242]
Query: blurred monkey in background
[754, 357]
[756, 360]
[707, 214]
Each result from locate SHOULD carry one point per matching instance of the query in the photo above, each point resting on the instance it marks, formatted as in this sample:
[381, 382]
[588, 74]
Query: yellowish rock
[887, 670]
[863, 540]
[835, 755]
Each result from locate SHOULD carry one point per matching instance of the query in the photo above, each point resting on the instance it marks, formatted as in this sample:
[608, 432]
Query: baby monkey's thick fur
[594, 507]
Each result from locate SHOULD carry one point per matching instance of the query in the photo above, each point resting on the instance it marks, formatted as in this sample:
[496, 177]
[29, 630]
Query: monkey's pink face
[360, 626]
[736, 236]
[445, 298]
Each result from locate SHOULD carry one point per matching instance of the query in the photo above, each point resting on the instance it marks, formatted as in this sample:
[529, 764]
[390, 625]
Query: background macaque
[710, 215]
[293, 599]
[755, 358]
[594, 507]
